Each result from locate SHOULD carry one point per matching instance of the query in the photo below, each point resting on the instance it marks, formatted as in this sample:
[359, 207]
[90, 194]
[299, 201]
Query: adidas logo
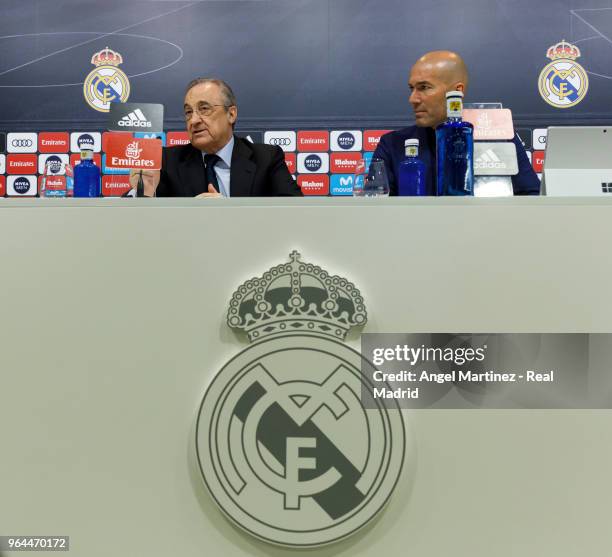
[135, 118]
[489, 160]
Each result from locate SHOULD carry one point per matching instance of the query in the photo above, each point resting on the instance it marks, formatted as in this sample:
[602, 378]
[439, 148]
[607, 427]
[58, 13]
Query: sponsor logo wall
[322, 161]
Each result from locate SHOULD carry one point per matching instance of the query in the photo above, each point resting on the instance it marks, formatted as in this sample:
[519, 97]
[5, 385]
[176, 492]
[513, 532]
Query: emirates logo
[132, 151]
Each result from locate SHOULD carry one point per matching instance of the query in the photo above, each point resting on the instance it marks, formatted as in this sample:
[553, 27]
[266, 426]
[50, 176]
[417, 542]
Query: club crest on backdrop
[563, 83]
[106, 83]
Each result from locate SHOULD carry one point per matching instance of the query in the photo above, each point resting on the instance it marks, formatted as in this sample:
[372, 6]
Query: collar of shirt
[225, 153]
[222, 168]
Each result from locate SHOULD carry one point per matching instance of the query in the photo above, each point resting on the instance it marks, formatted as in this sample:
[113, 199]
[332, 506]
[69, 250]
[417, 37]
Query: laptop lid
[578, 161]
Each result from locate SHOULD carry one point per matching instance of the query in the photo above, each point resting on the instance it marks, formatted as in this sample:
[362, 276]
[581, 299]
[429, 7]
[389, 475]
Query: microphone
[140, 186]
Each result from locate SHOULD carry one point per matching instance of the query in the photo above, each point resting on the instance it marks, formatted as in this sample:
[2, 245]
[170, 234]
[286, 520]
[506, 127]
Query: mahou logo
[371, 139]
[313, 141]
[344, 163]
[314, 185]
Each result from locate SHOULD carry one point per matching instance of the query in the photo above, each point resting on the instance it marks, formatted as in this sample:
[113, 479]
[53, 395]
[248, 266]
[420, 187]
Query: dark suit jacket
[256, 170]
[391, 149]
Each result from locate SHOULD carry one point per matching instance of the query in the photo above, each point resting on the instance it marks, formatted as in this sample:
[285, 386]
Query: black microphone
[140, 186]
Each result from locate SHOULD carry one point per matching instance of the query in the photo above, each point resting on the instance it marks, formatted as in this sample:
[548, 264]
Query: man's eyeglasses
[203, 110]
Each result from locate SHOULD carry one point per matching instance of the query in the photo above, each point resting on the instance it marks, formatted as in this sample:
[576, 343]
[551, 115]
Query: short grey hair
[229, 99]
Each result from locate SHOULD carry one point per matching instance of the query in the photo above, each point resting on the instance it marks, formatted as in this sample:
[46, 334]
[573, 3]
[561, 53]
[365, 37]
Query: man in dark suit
[217, 163]
[431, 77]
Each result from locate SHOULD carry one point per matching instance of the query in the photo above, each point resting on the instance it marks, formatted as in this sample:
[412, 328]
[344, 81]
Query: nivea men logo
[85, 141]
[54, 164]
[80, 140]
[22, 142]
[313, 163]
[21, 185]
[346, 140]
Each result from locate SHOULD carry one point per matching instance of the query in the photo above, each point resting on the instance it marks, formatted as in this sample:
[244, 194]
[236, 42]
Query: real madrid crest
[106, 83]
[285, 444]
[563, 83]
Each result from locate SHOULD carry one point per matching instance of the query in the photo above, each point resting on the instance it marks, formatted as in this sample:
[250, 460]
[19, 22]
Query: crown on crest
[296, 297]
[563, 49]
[106, 57]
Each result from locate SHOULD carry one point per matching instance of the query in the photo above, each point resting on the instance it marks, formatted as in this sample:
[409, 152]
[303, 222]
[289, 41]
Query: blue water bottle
[87, 176]
[455, 150]
[411, 170]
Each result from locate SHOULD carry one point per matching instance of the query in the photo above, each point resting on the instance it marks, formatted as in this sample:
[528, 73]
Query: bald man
[431, 77]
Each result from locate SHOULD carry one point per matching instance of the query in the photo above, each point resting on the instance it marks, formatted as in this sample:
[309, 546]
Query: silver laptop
[578, 161]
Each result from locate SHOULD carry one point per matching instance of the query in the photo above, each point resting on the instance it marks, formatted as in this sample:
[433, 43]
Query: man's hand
[150, 179]
[212, 192]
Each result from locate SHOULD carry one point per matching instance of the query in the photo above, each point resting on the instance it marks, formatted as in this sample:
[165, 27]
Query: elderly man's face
[209, 122]
[428, 94]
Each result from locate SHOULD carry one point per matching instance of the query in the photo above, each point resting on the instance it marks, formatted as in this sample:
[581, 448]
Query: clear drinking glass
[376, 183]
[57, 179]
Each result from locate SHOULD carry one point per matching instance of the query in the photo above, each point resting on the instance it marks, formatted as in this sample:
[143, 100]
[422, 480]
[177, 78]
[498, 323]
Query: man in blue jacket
[431, 77]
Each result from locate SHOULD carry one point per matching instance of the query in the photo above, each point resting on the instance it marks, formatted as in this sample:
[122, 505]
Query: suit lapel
[242, 170]
[192, 173]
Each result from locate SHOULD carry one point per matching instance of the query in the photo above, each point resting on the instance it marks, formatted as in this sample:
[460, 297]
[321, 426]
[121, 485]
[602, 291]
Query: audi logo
[21, 143]
[279, 141]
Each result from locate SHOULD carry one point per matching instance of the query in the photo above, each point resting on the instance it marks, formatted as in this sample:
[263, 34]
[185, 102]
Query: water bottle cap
[454, 94]
[411, 142]
[86, 153]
